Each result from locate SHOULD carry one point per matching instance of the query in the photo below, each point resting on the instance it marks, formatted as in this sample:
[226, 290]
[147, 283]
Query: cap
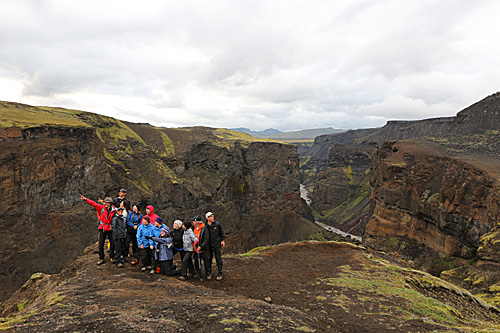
[119, 208]
[207, 215]
[123, 190]
[197, 218]
[108, 200]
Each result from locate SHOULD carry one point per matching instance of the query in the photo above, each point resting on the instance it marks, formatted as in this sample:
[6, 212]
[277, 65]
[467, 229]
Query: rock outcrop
[438, 201]
[429, 199]
[336, 169]
[49, 156]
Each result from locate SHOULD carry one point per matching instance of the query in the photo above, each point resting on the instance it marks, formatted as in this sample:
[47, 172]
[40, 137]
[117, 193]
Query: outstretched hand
[82, 197]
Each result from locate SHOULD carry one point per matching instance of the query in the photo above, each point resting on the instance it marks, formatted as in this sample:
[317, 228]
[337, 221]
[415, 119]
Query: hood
[151, 209]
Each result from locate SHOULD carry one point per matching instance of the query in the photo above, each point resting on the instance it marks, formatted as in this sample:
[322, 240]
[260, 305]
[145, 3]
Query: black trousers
[187, 263]
[146, 254]
[131, 237]
[102, 237]
[119, 242]
[198, 258]
[166, 267]
[217, 253]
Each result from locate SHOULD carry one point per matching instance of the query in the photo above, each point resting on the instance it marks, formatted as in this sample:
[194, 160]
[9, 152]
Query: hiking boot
[148, 267]
[143, 269]
[152, 271]
[135, 262]
[209, 277]
[182, 278]
[112, 260]
[120, 265]
[219, 277]
[100, 262]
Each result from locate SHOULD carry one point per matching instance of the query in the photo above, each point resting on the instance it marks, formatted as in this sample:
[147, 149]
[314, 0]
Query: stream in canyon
[305, 195]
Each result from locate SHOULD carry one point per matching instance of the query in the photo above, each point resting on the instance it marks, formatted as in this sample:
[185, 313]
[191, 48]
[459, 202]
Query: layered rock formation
[49, 156]
[336, 169]
[427, 198]
[438, 201]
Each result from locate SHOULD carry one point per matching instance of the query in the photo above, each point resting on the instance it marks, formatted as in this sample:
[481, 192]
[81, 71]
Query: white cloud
[257, 64]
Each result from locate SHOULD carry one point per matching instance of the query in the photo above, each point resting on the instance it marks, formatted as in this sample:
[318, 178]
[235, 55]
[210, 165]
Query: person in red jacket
[150, 212]
[106, 211]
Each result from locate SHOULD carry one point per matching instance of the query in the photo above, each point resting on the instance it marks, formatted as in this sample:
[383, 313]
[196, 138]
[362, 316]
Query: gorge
[423, 195]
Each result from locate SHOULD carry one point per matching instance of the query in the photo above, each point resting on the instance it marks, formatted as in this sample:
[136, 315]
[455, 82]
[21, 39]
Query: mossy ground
[25, 116]
[307, 286]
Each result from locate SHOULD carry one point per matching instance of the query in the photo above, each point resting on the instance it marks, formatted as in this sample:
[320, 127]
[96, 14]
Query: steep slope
[49, 156]
[336, 169]
[440, 204]
[336, 287]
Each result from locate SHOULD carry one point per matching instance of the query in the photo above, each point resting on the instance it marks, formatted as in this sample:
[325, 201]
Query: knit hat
[159, 219]
[207, 215]
[188, 224]
[166, 230]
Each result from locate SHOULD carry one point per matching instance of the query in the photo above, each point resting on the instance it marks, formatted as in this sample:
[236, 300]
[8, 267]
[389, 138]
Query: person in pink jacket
[106, 211]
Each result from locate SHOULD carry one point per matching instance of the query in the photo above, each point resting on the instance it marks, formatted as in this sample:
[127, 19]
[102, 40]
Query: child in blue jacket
[164, 255]
[146, 245]
[158, 225]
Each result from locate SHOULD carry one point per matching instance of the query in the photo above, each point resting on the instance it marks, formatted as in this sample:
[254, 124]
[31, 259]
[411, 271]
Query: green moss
[227, 138]
[25, 116]
[231, 321]
[168, 144]
[255, 251]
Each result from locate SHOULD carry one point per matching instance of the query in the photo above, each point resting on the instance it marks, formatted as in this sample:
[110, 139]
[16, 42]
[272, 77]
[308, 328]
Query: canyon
[424, 195]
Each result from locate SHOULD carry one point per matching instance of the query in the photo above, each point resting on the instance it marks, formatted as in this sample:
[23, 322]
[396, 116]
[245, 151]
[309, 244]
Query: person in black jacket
[121, 197]
[119, 230]
[177, 233]
[216, 242]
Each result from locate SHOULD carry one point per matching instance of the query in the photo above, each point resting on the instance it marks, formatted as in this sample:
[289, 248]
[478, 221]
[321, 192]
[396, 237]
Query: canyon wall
[336, 169]
[49, 156]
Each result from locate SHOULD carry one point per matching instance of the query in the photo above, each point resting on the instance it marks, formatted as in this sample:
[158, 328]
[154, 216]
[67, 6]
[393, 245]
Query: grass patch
[26, 116]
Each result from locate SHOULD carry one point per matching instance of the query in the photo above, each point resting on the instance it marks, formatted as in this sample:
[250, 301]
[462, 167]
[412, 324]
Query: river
[305, 195]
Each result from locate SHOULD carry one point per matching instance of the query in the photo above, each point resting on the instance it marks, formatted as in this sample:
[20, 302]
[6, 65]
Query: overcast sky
[286, 64]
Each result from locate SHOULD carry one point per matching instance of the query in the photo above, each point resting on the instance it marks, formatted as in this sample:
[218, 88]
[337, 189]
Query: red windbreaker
[152, 215]
[105, 217]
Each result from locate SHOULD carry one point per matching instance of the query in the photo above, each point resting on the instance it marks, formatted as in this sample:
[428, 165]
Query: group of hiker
[154, 244]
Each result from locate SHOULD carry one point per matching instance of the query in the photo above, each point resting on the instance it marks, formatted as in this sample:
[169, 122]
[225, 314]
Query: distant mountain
[258, 134]
[272, 133]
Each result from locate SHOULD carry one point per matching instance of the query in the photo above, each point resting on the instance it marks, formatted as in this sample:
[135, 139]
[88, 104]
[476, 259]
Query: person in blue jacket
[134, 219]
[145, 245]
[165, 256]
[158, 225]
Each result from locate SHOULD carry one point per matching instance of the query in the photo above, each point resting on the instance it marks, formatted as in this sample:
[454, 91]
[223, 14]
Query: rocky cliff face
[427, 199]
[438, 203]
[48, 157]
[336, 169]
[43, 170]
